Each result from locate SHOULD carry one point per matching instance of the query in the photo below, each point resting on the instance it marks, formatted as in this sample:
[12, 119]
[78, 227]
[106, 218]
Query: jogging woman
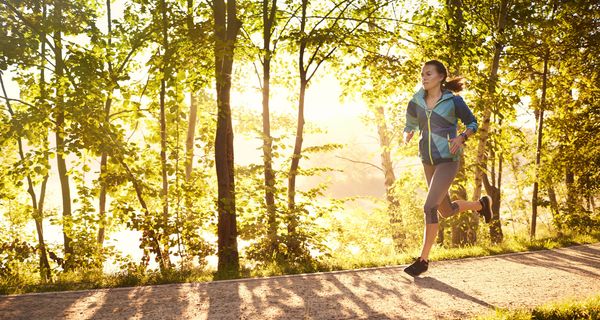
[434, 110]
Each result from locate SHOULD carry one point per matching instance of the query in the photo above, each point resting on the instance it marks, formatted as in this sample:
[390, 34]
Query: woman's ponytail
[454, 85]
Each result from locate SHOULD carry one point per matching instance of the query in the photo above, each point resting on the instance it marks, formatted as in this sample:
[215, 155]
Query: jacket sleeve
[412, 123]
[464, 114]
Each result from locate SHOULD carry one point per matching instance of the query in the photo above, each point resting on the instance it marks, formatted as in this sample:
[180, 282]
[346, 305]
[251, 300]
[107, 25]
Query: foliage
[111, 88]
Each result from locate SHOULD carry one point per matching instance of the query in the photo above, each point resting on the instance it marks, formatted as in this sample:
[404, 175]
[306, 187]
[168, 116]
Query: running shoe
[486, 208]
[417, 267]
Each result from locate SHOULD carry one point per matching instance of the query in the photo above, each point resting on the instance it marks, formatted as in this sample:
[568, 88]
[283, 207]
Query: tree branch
[18, 100]
[362, 162]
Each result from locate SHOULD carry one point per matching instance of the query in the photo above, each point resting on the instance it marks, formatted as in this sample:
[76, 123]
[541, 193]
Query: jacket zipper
[428, 113]
[448, 139]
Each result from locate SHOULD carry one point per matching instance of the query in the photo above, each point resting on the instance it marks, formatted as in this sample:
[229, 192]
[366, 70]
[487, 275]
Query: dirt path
[450, 289]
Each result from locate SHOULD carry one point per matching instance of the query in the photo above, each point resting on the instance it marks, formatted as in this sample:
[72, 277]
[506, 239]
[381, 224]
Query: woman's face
[430, 78]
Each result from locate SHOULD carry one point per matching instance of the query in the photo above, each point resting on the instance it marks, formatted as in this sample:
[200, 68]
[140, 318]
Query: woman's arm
[412, 123]
[465, 115]
[468, 119]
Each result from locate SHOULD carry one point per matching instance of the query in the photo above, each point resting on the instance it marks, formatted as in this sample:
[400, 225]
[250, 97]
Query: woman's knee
[431, 215]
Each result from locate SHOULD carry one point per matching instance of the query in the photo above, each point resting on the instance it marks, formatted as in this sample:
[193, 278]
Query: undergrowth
[92, 279]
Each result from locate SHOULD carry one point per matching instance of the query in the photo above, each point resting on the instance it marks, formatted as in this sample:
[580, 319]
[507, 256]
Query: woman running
[434, 110]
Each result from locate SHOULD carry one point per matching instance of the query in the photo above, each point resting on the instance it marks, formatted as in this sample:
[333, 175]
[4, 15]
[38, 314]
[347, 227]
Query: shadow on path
[559, 260]
[433, 283]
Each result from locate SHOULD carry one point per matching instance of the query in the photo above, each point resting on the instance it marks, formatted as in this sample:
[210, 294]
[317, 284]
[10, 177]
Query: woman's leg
[449, 208]
[464, 205]
[439, 179]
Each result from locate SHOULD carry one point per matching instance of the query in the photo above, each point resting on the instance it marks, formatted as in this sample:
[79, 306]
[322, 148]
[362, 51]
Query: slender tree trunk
[293, 244]
[538, 153]
[464, 225]
[193, 115]
[553, 201]
[494, 192]
[460, 223]
[494, 188]
[387, 164]
[496, 226]
[37, 213]
[59, 114]
[485, 126]
[102, 198]
[269, 15]
[227, 27]
[166, 264]
[149, 236]
[555, 209]
[389, 179]
[104, 155]
[571, 193]
[191, 132]
[45, 271]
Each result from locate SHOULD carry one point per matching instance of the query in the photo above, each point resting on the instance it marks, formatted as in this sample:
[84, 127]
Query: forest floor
[452, 289]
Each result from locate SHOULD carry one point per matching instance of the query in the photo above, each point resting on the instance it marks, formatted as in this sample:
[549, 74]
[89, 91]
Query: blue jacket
[438, 125]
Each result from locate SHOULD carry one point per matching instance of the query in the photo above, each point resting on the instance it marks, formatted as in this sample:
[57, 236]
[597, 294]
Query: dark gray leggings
[439, 178]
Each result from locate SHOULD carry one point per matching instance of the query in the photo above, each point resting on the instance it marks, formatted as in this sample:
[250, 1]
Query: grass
[94, 279]
[510, 245]
[566, 309]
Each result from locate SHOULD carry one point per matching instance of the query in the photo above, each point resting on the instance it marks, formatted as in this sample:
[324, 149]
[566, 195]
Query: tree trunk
[495, 193]
[485, 126]
[538, 153]
[463, 232]
[227, 27]
[555, 209]
[189, 141]
[494, 188]
[496, 226]
[45, 271]
[104, 155]
[102, 198]
[389, 176]
[166, 263]
[59, 114]
[387, 165]
[269, 15]
[571, 193]
[464, 225]
[37, 212]
[190, 135]
[149, 236]
[193, 116]
[293, 244]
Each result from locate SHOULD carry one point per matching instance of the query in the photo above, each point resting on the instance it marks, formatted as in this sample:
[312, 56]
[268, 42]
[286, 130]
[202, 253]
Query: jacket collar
[419, 97]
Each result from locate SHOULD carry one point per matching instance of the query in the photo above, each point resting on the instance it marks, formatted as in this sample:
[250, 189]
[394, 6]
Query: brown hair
[455, 84]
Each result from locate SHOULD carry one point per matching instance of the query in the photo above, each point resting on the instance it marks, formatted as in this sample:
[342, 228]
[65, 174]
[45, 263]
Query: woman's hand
[456, 143]
[408, 136]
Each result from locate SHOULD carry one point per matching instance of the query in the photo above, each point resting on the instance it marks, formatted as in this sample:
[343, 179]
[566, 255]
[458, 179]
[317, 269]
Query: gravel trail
[453, 289]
